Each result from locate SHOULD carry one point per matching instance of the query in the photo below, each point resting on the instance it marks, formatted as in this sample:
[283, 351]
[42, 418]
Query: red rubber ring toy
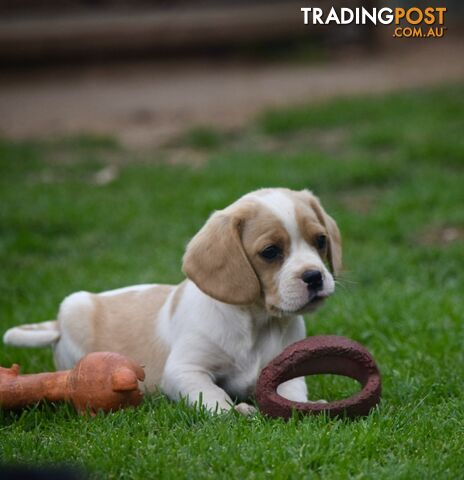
[318, 355]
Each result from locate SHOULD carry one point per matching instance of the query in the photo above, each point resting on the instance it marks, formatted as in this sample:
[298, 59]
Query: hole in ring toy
[321, 354]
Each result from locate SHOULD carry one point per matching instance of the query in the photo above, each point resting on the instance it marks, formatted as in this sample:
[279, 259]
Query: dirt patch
[120, 157]
[149, 104]
[360, 201]
[441, 236]
[328, 141]
[109, 163]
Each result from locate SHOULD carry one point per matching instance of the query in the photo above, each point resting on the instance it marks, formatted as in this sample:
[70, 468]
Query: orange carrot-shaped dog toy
[99, 381]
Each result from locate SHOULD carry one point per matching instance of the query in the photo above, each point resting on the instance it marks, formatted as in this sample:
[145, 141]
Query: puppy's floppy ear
[216, 262]
[335, 240]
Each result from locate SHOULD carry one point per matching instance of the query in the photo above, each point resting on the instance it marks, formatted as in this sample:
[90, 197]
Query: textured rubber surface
[318, 355]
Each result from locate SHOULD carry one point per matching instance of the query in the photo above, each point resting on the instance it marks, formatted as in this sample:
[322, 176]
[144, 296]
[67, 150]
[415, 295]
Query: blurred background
[144, 71]
[124, 124]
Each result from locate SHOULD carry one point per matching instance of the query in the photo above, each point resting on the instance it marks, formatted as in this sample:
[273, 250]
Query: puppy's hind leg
[76, 321]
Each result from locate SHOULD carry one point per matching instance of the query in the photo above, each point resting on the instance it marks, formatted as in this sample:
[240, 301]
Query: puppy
[252, 271]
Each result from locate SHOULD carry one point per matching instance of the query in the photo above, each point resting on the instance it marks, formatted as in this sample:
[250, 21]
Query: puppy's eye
[321, 242]
[271, 253]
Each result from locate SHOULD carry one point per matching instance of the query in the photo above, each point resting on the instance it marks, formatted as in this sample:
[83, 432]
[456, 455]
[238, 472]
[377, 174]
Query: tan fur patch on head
[224, 259]
[262, 230]
[215, 259]
[313, 220]
[310, 227]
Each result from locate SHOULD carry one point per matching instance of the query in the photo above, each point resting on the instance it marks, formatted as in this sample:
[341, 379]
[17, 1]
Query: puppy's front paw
[245, 409]
[318, 401]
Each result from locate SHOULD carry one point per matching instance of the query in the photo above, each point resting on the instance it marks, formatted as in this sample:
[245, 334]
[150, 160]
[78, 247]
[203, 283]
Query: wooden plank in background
[158, 30]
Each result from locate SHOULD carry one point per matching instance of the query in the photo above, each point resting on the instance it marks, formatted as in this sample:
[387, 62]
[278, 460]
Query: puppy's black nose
[313, 278]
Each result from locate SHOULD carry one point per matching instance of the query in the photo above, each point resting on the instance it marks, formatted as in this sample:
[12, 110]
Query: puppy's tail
[41, 334]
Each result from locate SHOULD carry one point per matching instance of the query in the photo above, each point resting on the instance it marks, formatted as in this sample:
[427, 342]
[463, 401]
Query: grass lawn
[389, 169]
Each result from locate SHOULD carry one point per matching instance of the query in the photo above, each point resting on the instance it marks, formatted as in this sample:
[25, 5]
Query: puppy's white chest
[241, 380]
[248, 360]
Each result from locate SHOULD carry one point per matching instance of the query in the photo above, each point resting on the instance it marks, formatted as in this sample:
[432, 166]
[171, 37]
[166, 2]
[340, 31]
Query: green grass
[392, 176]
[203, 138]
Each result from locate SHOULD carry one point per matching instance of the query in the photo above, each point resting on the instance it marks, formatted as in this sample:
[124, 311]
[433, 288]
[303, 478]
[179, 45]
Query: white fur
[207, 336]
[33, 335]
[132, 288]
[293, 292]
[215, 350]
[74, 309]
[282, 207]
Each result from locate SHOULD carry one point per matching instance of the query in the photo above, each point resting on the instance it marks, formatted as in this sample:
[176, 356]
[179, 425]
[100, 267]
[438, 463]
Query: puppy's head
[275, 247]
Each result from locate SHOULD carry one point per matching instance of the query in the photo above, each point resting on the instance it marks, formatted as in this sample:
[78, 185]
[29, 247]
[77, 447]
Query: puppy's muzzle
[313, 279]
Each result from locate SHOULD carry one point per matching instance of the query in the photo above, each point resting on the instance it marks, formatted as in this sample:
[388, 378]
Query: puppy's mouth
[317, 299]
[314, 302]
